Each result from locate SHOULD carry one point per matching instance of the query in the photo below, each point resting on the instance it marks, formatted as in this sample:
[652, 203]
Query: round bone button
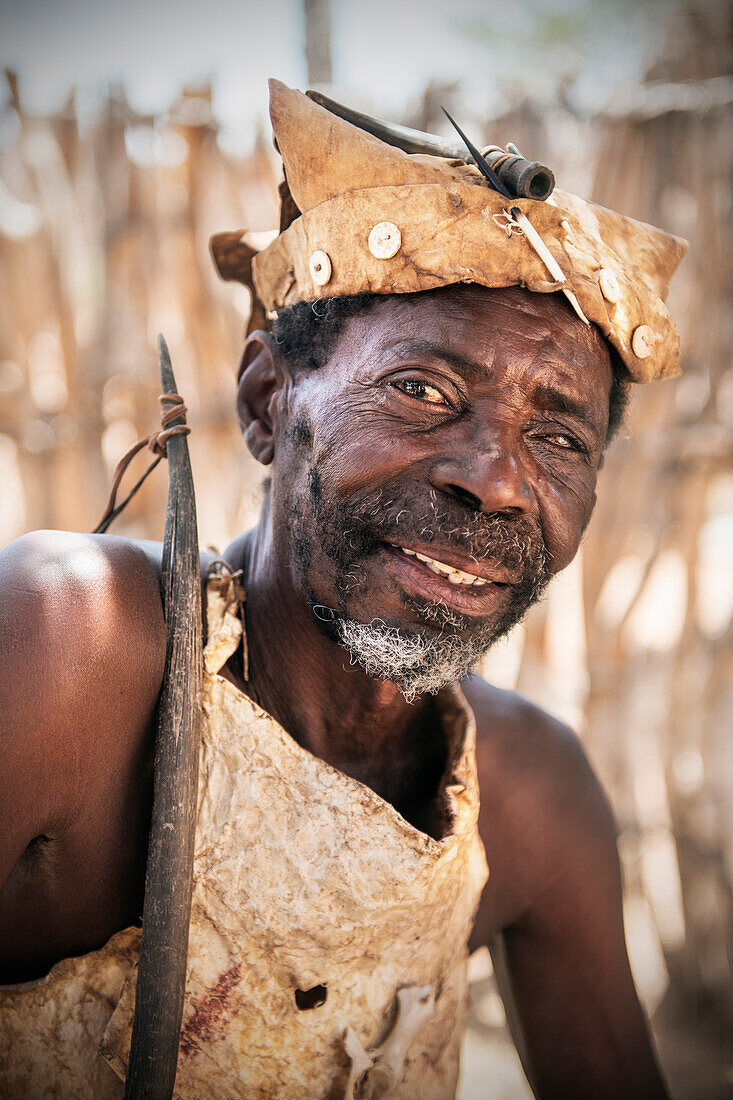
[643, 341]
[384, 240]
[320, 267]
[609, 285]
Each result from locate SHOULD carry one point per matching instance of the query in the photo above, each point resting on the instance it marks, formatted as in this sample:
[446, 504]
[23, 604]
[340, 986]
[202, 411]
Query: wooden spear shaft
[156, 1028]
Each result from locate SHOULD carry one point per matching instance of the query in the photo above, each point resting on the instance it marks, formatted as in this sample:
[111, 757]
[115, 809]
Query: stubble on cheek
[308, 535]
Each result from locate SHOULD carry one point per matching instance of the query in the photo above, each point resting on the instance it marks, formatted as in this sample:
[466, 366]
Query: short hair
[306, 334]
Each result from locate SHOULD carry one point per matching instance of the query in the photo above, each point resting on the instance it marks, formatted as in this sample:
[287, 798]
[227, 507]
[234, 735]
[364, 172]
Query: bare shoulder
[75, 591]
[82, 650]
[543, 812]
[524, 748]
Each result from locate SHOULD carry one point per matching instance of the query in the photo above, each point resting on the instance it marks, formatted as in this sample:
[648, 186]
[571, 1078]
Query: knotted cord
[232, 591]
[173, 408]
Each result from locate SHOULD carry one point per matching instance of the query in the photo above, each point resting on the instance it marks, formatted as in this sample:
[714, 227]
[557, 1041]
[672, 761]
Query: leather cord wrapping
[173, 408]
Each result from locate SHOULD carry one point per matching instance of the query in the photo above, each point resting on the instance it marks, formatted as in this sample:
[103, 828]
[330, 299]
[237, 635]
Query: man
[435, 418]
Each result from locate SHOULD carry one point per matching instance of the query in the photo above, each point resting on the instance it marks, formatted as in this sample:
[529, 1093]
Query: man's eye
[568, 442]
[421, 390]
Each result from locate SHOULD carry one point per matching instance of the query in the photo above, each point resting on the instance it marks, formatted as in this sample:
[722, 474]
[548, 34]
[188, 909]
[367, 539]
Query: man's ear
[261, 379]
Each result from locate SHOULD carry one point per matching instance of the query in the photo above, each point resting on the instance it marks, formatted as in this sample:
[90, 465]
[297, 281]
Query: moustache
[430, 518]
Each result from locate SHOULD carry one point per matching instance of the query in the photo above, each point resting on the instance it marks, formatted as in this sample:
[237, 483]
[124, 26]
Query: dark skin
[497, 400]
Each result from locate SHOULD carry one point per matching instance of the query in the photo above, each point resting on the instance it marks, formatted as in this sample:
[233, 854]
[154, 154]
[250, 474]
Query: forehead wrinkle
[430, 349]
[552, 322]
[488, 317]
[542, 322]
[550, 312]
[565, 356]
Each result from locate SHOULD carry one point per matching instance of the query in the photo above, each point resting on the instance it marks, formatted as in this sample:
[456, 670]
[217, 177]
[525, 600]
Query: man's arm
[552, 910]
[82, 646]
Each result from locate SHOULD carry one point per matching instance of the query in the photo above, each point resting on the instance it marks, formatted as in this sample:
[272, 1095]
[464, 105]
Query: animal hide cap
[359, 215]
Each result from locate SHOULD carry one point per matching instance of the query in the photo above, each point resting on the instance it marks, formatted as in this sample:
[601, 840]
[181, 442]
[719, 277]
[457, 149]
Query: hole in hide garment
[311, 998]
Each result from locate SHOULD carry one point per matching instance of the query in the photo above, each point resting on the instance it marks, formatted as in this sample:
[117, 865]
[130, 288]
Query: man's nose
[487, 481]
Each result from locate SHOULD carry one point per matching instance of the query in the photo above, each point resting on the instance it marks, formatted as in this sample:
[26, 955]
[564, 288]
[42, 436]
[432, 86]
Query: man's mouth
[454, 575]
[450, 582]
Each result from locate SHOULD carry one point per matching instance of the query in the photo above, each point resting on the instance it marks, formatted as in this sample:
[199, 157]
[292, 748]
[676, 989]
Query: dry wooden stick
[161, 978]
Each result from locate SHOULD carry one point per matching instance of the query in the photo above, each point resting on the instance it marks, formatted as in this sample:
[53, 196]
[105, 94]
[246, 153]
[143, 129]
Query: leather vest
[328, 936]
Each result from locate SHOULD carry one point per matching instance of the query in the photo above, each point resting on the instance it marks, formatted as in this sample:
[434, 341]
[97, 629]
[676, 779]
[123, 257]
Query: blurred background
[130, 133]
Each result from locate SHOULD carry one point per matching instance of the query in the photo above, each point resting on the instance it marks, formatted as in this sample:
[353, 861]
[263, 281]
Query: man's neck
[307, 682]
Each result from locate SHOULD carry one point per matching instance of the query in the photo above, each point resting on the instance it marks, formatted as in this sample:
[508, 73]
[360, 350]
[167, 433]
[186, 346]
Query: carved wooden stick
[161, 978]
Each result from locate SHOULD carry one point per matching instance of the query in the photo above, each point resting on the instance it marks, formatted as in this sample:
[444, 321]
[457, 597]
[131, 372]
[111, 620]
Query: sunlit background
[130, 133]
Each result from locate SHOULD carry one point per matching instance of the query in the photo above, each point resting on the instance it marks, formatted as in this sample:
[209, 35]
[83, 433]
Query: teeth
[455, 576]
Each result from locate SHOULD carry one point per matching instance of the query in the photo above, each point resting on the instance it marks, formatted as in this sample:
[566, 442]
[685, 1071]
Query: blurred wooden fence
[103, 242]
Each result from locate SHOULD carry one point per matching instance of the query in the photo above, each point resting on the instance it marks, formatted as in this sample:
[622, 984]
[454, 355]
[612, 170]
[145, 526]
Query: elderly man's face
[463, 425]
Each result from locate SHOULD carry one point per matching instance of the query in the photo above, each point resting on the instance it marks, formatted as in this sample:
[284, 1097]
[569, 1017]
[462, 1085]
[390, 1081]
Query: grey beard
[450, 644]
[416, 663]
